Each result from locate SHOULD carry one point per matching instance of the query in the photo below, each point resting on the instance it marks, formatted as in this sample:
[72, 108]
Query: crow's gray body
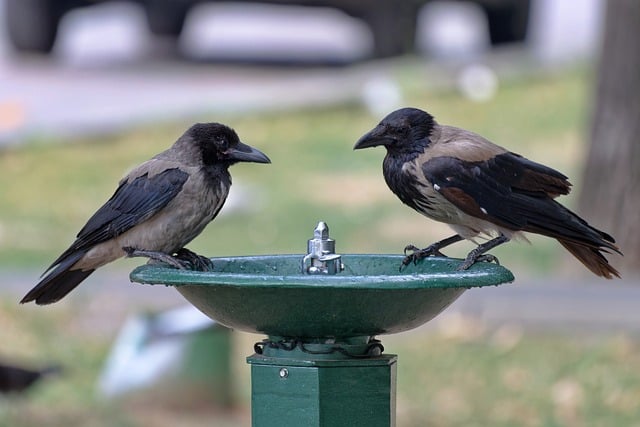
[160, 206]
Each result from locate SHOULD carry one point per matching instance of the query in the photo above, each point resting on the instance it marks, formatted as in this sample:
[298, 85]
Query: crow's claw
[418, 254]
[184, 259]
[473, 258]
[411, 248]
[155, 256]
[197, 262]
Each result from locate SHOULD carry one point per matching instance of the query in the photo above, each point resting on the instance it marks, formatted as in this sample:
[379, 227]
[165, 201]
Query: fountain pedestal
[321, 365]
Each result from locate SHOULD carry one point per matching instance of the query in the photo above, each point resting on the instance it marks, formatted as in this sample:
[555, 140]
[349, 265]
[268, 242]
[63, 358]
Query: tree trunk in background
[610, 197]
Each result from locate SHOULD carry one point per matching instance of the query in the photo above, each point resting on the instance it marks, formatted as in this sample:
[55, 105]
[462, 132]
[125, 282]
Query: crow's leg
[197, 262]
[478, 254]
[156, 256]
[431, 250]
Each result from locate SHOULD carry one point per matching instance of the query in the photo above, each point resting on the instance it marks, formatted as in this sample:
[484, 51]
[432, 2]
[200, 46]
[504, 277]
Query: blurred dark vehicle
[33, 24]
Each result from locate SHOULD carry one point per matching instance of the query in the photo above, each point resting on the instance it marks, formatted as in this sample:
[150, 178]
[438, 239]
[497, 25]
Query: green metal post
[315, 385]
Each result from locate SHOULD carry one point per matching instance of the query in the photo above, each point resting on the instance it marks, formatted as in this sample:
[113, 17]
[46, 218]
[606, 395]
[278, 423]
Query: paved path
[56, 100]
[586, 305]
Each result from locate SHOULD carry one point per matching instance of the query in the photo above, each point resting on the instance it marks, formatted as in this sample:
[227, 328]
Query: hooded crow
[157, 209]
[479, 189]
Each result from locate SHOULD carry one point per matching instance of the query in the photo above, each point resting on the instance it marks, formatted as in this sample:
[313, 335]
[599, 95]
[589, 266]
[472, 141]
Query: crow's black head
[403, 130]
[218, 143]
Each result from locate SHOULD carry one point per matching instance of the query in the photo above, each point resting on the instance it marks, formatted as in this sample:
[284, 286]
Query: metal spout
[321, 257]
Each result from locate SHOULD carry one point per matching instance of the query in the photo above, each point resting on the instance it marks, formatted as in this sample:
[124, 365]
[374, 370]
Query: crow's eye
[400, 131]
[221, 142]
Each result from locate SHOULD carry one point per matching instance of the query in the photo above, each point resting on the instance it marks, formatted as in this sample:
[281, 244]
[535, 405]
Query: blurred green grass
[469, 376]
[505, 378]
[454, 372]
[49, 188]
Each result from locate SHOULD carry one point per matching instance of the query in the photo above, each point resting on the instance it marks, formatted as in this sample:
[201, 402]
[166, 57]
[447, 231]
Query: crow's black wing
[477, 188]
[132, 203]
[526, 176]
[518, 194]
[511, 192]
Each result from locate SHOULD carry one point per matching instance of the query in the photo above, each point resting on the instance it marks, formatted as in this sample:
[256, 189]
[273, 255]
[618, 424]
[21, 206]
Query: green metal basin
[270, 295]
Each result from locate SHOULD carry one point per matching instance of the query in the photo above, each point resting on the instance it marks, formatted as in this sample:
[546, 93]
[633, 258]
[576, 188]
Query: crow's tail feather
[58, 282]
[585, 242]
[592, 258]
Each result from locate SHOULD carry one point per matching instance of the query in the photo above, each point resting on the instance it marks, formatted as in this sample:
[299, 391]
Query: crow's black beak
[245, 153]
[377, 136]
